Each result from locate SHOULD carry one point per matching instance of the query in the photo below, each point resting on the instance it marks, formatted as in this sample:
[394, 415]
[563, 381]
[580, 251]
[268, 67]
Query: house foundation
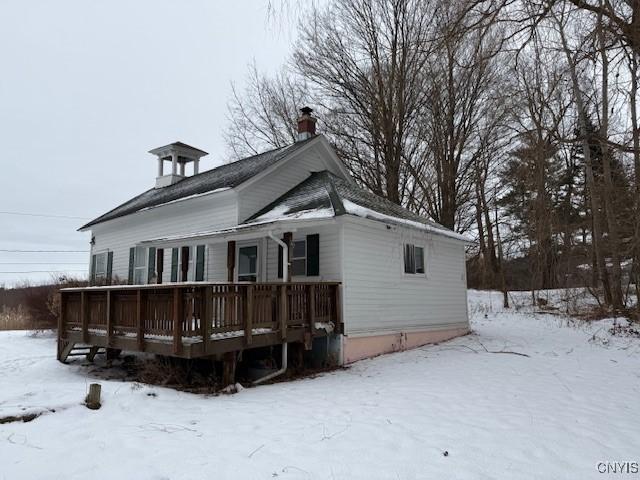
[358, 348]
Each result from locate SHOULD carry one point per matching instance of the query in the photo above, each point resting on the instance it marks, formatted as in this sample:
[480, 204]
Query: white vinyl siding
[286, 176]
[380, 298]
[205, 213]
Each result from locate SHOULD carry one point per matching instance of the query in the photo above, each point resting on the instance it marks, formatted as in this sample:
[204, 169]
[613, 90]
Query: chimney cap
[306, 110]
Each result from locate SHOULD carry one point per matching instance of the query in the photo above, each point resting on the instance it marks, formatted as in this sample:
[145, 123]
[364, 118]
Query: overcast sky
[88, 87]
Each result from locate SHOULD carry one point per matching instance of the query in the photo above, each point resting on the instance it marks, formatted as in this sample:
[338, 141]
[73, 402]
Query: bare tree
[264, 116]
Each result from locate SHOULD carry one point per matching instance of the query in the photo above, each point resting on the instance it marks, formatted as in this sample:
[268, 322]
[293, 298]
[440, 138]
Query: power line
[43, 251]
[43, 263]
[49, 271]
[26, 214]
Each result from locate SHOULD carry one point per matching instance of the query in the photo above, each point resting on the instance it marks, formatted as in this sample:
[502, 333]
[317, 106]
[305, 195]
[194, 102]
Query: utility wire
[48, 271]
[43, 263]
[43, 251]
[25, 214]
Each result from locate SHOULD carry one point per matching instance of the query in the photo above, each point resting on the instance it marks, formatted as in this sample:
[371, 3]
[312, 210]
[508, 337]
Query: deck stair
[71, 349]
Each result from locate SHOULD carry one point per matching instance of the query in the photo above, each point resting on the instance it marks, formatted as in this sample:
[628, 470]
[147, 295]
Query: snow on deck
[555, 414]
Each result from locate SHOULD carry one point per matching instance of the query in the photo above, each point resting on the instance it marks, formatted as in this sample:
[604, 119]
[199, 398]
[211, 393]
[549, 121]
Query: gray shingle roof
[324, 190]
[225, 176]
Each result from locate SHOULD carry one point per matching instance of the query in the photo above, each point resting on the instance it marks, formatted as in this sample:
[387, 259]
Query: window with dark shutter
[199, 263]
[174, 264]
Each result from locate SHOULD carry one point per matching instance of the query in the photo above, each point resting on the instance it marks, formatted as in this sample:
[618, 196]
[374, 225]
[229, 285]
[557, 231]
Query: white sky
[88, 87]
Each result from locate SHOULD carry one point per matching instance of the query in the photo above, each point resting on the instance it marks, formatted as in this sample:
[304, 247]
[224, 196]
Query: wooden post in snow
[93, 397]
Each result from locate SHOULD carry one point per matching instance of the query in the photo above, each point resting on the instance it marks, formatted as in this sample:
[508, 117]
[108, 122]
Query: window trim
[103, 275]
[294, 258]
[144, 267]
[413, 247]
[257, 273]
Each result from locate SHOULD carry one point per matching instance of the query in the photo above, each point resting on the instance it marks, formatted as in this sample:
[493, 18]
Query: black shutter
[160, 263]
[199, 263]
[280, 261]
[184, 264]
[174, 264]
[313, 255]
[151, 266]
[109, 267]
[92, 271]
[132, 258]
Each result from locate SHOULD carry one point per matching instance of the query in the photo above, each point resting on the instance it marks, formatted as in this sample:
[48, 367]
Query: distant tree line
[512, 121]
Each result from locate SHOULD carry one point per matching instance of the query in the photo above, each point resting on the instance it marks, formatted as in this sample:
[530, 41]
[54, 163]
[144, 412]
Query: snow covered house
[279, 247]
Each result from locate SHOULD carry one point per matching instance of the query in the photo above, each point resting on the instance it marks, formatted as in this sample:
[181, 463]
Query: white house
[291, 214]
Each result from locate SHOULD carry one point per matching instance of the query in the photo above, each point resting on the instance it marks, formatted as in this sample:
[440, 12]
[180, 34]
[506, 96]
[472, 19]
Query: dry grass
[15, 319]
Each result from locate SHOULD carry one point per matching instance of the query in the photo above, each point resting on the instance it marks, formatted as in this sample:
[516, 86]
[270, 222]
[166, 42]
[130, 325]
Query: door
[248, 263]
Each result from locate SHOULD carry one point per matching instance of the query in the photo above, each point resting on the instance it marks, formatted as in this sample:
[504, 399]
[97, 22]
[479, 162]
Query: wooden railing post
[84, 316]
[337, 308]
[140, 319]
[311, 304]
[62, 325]
[284, 311]
[248, 320]
[177, 320]
[207, 317]
[109, 319]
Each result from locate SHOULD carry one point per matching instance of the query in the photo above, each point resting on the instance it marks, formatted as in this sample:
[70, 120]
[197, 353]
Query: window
[413, 259]
[299, 258]
[100, 267]
[140, 266]
[248, 264]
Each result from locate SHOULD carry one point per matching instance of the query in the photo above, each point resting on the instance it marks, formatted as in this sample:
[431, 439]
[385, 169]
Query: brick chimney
[306, 124]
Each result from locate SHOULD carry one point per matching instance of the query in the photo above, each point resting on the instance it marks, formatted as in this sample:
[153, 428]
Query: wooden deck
[192, 320]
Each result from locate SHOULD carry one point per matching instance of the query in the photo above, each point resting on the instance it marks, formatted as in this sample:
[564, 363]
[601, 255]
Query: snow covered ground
[573, 402]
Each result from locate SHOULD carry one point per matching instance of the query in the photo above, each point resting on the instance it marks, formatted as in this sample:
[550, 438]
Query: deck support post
[229, 368]
[248, 319]
[177, 321]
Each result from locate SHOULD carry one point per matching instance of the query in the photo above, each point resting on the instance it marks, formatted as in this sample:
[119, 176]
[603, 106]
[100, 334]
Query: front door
[248, 263]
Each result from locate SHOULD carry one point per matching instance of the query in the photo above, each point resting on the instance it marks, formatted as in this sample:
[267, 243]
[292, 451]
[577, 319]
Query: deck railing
[197, 312]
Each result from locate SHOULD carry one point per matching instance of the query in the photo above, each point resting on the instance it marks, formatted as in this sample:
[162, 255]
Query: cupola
[178, 154]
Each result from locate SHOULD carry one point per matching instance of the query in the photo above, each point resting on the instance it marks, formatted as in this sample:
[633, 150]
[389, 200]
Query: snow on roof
[364, 212]
[324, 190]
